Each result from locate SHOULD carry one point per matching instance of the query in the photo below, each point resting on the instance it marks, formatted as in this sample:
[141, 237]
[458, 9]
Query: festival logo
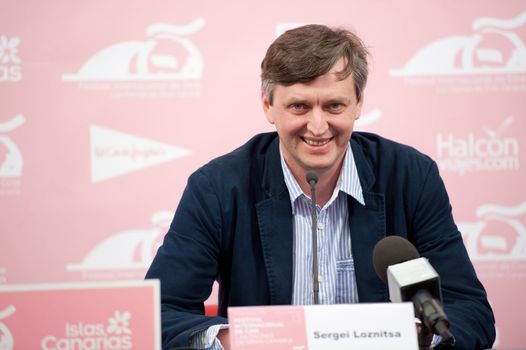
[116, 334]
[129, 249]
[10, 62]
[498, 234]
[6, 338]
[166, 54]
[491, 58]
[166, 63]
[11, 160]
[114, 153]
[492, 48]
[487, 151]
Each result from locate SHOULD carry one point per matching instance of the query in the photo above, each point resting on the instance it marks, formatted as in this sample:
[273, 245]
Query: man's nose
[317, 123]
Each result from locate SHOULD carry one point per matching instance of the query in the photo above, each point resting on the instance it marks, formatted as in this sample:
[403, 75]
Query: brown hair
[300, 55]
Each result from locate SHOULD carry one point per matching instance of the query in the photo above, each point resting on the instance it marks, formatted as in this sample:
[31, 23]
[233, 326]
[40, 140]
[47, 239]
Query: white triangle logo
[114, 153]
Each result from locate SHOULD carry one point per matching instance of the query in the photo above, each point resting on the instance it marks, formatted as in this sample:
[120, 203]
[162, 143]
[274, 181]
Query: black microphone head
[312, 177]
[392, 250]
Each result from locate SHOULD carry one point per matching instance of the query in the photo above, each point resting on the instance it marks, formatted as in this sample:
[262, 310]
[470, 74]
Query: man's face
[314, 122]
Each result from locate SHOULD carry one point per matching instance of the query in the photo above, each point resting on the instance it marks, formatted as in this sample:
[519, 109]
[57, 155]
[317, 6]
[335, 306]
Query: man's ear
[358, 111]
[267, 108]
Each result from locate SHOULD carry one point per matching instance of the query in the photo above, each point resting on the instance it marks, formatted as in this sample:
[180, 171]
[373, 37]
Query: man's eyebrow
[344, 99]
[295, 99]
[305, 100]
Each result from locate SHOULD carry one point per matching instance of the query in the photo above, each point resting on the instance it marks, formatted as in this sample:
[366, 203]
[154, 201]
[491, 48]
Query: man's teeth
[317, 143]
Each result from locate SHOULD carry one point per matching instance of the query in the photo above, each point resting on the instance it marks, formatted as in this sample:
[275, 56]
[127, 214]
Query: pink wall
[107, 107]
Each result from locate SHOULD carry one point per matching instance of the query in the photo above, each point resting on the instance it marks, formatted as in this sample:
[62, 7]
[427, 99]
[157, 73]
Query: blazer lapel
[274, 214]
[367, 226]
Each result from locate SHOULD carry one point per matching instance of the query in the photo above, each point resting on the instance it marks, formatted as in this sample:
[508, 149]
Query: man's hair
[302, 54]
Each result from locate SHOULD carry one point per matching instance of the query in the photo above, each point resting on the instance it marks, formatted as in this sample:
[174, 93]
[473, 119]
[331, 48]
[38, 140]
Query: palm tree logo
[6, 338]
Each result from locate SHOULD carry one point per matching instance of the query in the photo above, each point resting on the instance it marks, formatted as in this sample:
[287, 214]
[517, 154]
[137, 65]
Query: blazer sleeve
[436, 237]
[187, 263]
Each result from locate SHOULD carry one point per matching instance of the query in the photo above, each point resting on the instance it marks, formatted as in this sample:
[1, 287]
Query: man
[244, 218]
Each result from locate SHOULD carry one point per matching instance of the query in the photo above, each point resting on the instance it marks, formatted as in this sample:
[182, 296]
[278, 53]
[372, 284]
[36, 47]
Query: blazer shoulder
[244, 165]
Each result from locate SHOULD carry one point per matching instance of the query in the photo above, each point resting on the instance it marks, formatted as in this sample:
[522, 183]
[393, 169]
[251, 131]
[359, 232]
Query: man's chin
[319, 168]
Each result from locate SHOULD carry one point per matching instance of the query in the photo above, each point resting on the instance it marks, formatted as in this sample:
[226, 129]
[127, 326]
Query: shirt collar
[348, 181]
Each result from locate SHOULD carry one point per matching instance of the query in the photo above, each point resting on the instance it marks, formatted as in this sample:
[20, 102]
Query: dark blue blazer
[234, 225]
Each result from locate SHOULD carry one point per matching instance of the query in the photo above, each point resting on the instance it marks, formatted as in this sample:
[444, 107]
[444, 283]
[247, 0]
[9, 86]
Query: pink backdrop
[107, 107]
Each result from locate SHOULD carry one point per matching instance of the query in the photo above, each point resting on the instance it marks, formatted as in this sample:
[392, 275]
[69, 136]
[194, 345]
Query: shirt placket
[323, 258]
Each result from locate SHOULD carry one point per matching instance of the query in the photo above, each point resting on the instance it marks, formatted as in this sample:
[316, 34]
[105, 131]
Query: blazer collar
[365, 172]
[273, 182]
[274, 213]
[367, 225]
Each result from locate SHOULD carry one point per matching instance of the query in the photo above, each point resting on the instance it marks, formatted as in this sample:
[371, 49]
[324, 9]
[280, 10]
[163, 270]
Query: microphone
[312, 180]
[412, 278]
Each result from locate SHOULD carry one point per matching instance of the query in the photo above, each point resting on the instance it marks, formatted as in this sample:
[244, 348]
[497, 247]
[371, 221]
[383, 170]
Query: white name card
[374, 326]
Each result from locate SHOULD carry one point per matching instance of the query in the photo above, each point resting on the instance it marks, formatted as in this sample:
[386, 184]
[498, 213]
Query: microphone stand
[434, 320]
[425, 336]
[312, 179]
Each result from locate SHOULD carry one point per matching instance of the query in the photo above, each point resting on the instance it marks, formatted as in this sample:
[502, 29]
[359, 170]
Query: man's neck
[324, 188]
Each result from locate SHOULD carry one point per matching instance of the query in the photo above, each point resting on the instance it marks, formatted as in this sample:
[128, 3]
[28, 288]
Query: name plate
[386, 326]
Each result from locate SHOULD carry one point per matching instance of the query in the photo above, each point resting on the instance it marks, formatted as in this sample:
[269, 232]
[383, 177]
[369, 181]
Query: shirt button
[321, 225]
[320, 278]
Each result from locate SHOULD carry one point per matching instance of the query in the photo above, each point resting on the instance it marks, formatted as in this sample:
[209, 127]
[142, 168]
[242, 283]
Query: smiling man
[314, 121]
[244, 218]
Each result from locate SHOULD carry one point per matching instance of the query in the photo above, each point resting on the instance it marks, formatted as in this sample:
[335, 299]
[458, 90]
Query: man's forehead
[320, 88]
[306, 96]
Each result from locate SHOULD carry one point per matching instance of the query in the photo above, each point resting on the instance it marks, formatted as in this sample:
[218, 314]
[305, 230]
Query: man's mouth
[316, 143]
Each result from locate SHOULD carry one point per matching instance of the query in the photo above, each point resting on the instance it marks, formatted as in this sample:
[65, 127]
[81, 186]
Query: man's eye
[336, 107]
[297, 107]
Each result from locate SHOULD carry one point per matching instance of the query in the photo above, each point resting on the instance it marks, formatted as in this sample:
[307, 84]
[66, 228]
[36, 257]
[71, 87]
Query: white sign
[324, 327]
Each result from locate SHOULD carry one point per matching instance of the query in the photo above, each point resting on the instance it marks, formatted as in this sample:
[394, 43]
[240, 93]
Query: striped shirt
[335, 261]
